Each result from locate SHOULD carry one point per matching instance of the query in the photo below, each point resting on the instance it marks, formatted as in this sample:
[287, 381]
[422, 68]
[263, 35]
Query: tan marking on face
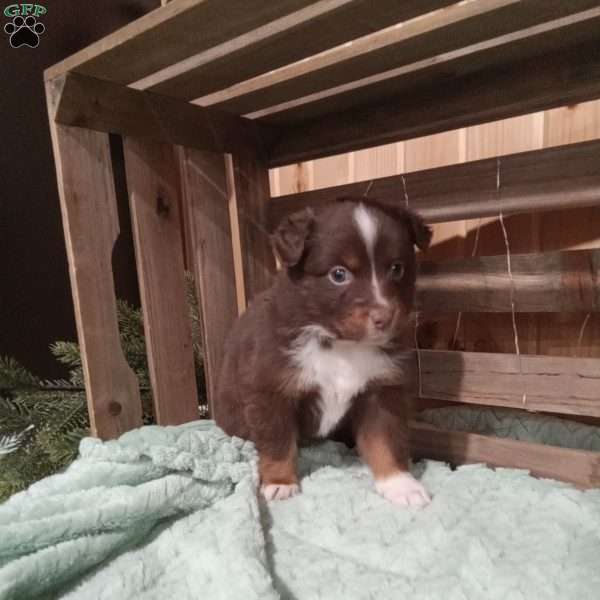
[352, 262]
[354, 325]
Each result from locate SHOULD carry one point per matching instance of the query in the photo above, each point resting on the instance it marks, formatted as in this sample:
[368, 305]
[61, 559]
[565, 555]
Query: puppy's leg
[278, 476]
[274, 430]
[381, 431]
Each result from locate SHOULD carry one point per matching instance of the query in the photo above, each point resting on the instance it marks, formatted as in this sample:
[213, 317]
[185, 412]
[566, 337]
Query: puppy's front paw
[403, 489]
[279, 491]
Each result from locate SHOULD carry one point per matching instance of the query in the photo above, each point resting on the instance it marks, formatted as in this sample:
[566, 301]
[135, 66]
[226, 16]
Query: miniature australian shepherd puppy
[323, 347]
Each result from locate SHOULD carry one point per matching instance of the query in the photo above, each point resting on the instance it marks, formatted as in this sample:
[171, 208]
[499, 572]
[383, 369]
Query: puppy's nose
[381, 317]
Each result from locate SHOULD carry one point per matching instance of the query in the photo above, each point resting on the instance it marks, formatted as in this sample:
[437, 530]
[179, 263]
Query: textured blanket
[173, 513]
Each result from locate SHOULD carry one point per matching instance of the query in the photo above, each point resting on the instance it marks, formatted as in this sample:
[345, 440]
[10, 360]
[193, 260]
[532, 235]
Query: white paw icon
[403, 489]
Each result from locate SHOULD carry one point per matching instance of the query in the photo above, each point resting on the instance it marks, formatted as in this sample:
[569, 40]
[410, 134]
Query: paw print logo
[24, 31]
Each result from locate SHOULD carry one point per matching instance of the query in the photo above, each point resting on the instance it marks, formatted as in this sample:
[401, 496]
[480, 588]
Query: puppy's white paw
[403, 489]
[279, 491]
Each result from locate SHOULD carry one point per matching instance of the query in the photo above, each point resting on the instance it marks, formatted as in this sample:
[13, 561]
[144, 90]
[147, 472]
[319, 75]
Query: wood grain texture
[91, 227]
[494, 332]
[579, 467]
[169, 34]
[414, 44]
[375, 116]
[576, 228]
[248, 185]
[543, 282]
[154, 190]
[314, 28]
[551, 384]
[206, 200]
[436, 329]
[553, 178]
[87, 102]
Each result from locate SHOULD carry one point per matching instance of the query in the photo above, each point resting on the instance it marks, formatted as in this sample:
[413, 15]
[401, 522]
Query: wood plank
[248, 185]
[170, 34]
[315, 28]
[553, 178]
[381, 114]
[579, 467]
[543, 282]
[437, 330]
[206, 200]
[561, 333]
[494, 332]
[434, 34]
[90, 221]
[551, 384]
[154, 190]
[295, 178]
[381, 161]
[441, 70]
[94, 104]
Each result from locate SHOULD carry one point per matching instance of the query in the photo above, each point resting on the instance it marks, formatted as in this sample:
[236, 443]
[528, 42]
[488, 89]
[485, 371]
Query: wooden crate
[210, 94]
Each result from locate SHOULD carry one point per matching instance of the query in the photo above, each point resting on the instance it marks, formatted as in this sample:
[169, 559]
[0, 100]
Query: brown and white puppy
[323, 347]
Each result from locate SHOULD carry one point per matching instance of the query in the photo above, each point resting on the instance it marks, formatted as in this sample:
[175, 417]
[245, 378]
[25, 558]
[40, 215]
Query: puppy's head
[353, 265]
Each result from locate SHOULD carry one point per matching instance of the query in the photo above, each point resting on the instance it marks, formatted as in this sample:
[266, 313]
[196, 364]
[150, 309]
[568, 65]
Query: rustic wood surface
[561, 77]
[580, 467]
[571, 334]
[550, 383]
[411, 47]
[94, 104]
[493, 332]
[206, 202]
[553, 178]
[314, 28]
[170, 34]
[154, 190]
[248, 183]
[543, 282]
[91, 227]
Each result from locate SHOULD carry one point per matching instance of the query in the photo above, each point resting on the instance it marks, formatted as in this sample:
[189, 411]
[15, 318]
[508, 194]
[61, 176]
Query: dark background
[35, 296]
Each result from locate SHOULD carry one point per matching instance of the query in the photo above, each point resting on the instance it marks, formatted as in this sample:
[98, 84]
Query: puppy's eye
[396, 270]
[340, 275]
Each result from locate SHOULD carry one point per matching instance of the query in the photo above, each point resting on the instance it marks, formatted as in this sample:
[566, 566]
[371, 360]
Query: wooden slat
[170, 34]
[579, 467]
[94, 104]
[248, 184]
[154, 190]
[380, 114]
[206, 201]
[435, 34]
[543, 282]
[550, 383]
[553, 178]
[433, 72]
[91, 226]
[316, 27]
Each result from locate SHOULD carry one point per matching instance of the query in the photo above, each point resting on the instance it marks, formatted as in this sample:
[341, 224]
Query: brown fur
[259, 395]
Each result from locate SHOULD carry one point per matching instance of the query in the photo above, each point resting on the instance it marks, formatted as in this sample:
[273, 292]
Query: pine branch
[43, 421]
[14, 375]
[10, 443]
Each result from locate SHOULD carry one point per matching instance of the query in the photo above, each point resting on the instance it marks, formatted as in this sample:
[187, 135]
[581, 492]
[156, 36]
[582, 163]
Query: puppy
[323, 347]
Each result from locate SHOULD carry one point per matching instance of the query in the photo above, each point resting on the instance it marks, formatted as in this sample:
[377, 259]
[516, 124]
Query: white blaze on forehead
[368, 228]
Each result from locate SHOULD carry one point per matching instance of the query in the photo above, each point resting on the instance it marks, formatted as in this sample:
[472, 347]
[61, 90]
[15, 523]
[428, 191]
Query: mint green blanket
[173, 513]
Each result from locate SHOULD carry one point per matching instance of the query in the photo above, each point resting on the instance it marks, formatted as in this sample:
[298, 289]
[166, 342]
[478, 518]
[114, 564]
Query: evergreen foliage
[42, 422]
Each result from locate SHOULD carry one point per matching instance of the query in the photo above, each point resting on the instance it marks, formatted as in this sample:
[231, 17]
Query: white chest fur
[339, 371]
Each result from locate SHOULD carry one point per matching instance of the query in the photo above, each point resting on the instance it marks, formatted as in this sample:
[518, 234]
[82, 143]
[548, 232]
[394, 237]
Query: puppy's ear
[421, 233]
[290, 236]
